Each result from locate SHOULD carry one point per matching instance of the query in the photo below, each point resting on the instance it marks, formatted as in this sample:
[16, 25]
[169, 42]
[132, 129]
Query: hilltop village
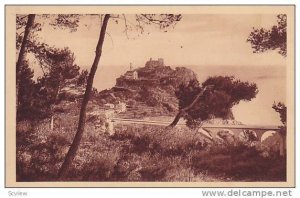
[133, 74]
[146, 91]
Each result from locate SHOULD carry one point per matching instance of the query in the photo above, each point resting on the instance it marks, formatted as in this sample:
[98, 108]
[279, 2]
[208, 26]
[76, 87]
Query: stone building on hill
[155, 63]
[131, 74]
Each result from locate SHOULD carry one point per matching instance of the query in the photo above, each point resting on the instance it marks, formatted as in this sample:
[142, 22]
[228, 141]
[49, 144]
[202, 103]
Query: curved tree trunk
[29, 24]
[177, 118]
[185, 109]
[81, 124]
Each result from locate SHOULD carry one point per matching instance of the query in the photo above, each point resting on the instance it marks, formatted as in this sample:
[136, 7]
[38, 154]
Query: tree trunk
[185, 109]
[177, 118]
[29, 24]
[81, 124]
[282, 146]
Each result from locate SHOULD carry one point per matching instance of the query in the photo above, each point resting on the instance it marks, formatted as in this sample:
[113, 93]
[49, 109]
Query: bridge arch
[272, 140]
[247, 135]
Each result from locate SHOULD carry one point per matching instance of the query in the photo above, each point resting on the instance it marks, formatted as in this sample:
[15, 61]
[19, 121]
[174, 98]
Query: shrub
[158, 139]
[44, 153]
[239, 162]
[154, 168]
[138, 153]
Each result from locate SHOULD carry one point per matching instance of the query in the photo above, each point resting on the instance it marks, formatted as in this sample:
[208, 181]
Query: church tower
[131, 68]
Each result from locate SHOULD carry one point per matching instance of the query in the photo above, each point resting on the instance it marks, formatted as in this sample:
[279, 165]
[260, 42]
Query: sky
[200, 41]
[195, 40]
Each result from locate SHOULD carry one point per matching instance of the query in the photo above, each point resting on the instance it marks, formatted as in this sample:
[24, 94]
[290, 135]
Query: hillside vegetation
[137, 153]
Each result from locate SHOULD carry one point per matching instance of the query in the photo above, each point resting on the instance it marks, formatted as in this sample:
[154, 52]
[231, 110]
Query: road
[181, 123]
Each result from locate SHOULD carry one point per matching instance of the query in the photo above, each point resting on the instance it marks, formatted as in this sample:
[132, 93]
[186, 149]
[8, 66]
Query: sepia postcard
[150, 96]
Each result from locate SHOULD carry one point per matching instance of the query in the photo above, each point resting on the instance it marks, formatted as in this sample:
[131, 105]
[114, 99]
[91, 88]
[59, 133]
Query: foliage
[57, 66]
[138, 23]
[155, 139]
[240, 162]
[134, 153]
[162, 20]
[66, 21]
[26, 91]
[21, 22]
[274, 39]
[226, 92]
[62, 21]
[60, 67]
[137, 153]
[48, 57]
[35, 98]
[281, 109]
[38, 155]
[82, 78]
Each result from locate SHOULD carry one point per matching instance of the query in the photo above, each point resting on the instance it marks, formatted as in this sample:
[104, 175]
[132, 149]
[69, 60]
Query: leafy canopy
[281, 109]
[36, 98]
[262, 39]
[216, 102]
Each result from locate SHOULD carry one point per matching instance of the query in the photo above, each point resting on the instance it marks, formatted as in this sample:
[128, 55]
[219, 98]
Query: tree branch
[126, 26]
[184, 110]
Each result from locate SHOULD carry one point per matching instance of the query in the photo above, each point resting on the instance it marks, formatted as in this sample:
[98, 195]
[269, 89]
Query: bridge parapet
[213, 130]
[238, 130]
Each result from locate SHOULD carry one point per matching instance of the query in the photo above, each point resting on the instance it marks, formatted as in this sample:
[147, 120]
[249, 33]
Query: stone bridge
[214, 131]
[269, 136]
[239, 130]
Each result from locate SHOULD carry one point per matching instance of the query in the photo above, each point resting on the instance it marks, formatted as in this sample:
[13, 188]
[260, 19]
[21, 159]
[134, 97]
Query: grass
[137, 153]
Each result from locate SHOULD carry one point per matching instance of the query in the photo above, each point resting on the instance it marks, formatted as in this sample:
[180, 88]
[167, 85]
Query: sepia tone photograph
[186, 96]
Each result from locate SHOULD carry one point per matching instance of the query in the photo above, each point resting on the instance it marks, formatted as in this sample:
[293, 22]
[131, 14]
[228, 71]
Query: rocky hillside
[148, 93]
[153, 91]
